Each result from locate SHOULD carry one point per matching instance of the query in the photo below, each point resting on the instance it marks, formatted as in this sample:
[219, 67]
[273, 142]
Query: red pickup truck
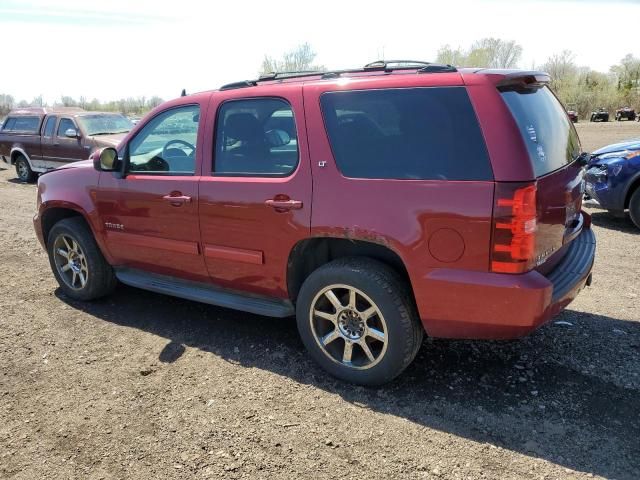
[39, 139]
[374, 204]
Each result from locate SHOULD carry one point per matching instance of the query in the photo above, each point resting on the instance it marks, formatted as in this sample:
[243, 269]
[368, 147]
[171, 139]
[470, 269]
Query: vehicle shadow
[19, 182]
[552, 395]
[621, 223]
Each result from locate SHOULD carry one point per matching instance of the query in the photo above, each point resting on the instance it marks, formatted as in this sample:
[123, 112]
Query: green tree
[300, 59]
[487, 52]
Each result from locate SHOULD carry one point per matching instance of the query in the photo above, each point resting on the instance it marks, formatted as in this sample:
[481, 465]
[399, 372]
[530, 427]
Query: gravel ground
[144, 386]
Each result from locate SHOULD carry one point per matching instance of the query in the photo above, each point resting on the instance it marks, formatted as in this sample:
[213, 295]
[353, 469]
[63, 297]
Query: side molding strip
[135, 240]
[234, 254]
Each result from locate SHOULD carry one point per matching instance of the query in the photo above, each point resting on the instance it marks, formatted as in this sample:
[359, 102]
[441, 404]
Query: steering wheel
[165, 149]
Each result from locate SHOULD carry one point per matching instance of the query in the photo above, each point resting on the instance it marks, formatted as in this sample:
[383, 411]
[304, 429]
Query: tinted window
[23, 124]
[49, 126]
[9, 124]
[64, 125]
[255, 137]
[167, 144]
[418, 133]
[550, 138]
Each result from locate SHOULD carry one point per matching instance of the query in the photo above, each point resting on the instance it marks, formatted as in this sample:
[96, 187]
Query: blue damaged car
[613, 178]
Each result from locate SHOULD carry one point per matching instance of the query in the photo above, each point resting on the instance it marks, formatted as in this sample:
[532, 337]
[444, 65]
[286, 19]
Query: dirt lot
[145, 386]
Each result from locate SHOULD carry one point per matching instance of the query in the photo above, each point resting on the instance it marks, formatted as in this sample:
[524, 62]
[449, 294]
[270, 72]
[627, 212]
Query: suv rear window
[550, 138]
[22, 124]
[406, 133]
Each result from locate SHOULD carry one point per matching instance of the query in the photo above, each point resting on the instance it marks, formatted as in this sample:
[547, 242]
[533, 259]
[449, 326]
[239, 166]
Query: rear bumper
[479, 305]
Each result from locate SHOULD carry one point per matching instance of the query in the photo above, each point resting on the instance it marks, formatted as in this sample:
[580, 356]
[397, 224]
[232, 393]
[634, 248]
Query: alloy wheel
[348, 326]
[70, 262]
[23, 170]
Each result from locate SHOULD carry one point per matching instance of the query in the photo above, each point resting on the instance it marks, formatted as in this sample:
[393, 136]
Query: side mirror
[71, 133]
[105, 159]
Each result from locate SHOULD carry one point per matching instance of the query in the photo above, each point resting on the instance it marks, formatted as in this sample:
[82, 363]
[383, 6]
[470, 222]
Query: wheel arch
[634, 184]
[52, 215]
[311, 253]
[13, 155]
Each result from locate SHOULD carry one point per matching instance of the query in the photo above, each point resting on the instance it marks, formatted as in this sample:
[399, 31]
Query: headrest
[243, 126]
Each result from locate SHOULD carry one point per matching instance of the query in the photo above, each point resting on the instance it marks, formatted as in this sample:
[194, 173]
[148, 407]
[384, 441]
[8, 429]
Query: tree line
[127, 106]
[578, 87]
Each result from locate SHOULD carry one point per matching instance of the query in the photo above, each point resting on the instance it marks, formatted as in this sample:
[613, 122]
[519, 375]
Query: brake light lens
[514, 228]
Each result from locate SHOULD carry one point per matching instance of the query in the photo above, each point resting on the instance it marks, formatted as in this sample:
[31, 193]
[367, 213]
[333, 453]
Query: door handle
[177, 200]
[283, 205]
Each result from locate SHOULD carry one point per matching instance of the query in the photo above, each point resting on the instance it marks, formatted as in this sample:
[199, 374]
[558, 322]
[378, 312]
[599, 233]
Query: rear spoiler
[523, 80]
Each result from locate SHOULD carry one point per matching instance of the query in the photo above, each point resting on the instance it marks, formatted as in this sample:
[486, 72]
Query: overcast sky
[118, 48]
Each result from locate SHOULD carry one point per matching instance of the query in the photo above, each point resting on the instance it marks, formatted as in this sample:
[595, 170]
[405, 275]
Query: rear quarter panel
[430, 224]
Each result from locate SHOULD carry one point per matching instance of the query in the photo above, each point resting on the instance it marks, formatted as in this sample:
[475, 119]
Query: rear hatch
[553, 146]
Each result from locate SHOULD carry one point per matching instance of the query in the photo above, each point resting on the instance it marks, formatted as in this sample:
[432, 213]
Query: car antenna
[184, 92]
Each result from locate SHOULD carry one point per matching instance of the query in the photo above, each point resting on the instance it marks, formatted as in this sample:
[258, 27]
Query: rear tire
[23, 170]
[634, 207]
[77, 262]
[358, 321]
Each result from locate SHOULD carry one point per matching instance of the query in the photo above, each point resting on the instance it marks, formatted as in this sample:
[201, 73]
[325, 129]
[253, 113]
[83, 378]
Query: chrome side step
[205, 293]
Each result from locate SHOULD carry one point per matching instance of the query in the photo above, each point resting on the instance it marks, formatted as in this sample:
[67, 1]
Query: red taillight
[514, 228]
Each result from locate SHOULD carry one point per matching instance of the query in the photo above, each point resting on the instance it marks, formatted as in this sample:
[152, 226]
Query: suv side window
[166, 145]
[50, 126]
[64, 125]
[406, 133]
[255, 137]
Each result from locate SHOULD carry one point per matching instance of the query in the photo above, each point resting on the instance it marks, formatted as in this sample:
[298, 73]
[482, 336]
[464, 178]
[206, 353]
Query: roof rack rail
[242, 84]
[293, 74]
[438, 68]
[400, 64]
[385, 66]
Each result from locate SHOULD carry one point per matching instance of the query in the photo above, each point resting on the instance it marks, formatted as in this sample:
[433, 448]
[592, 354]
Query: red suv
[374, 204]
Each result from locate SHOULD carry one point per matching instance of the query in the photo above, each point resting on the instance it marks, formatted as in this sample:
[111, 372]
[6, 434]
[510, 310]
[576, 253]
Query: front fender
[74, 190]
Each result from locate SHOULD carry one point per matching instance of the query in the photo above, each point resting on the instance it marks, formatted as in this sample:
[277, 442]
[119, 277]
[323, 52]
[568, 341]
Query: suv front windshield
[105, 124]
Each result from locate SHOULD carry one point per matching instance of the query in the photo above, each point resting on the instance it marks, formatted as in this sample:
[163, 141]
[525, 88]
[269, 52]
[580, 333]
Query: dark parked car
[600, 115]
[573, 115]
[613, 178]
[374, 204]
[625, 113]
[39, 139]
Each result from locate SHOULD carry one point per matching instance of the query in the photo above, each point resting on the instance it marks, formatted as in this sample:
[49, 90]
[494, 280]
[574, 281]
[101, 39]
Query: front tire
[634, 207]
[23, 170]
[358, 321]
[77, 263]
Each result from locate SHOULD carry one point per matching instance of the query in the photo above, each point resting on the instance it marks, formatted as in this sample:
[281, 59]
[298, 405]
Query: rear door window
[412, 133]
[255, 137]
[9, 123]
[23, 124]
[550, 137]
